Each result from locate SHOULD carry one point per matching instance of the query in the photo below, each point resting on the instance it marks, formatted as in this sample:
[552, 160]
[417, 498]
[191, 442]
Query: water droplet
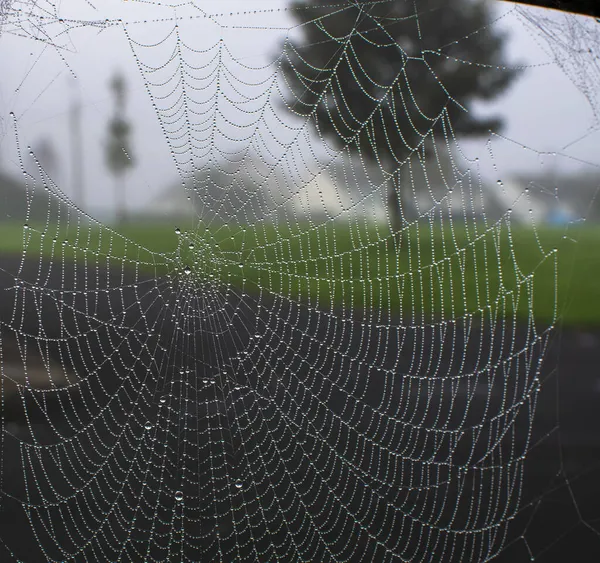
[239, 484]
[241, 265]
[26, 226]
[191, 245]
[148, 426]
[162, 400]
[187, 270]
[178, 496]
[257, 335]
[177, 231]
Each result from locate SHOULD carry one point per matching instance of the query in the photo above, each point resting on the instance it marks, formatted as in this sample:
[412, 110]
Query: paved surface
[143, 326]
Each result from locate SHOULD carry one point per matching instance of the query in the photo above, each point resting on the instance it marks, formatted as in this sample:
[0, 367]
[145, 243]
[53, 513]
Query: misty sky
[544, 111]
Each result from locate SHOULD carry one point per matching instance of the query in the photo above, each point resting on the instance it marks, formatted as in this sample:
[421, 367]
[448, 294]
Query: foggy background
[544, 111]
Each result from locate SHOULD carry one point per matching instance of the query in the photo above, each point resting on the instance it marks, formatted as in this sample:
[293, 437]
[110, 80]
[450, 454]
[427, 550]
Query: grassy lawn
[439, 273]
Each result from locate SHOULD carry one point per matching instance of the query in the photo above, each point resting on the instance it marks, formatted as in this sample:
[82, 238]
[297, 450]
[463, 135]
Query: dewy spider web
[284, 385]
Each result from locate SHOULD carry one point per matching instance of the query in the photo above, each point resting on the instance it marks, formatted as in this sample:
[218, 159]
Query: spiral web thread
[286, 385]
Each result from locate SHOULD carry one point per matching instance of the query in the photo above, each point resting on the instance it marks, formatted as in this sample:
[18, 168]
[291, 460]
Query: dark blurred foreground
[152, 340]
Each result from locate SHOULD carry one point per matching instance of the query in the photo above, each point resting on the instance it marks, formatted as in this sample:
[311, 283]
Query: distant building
[251, 190]
[335, 193]
[170, 204]
[529, 202]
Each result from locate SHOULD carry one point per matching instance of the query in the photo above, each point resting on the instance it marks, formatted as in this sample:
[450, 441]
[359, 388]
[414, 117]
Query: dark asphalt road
[232, 361]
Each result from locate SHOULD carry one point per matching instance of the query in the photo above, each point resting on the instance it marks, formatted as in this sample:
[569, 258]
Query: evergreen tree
[391, 79]
[118, 152]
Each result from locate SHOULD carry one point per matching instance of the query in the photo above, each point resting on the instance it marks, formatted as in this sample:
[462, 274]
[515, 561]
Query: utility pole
[76, 137]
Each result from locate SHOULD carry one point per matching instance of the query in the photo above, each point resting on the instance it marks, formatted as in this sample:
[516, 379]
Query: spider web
[285, 384]
[573, 44]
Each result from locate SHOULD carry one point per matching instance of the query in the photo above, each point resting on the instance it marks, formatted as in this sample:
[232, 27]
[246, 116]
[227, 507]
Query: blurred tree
[395, 79]
[118, 153]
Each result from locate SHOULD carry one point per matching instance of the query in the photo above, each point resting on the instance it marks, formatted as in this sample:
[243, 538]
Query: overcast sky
[544, 111]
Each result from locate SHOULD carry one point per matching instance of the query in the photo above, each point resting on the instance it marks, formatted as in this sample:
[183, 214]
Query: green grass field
[439, 273]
